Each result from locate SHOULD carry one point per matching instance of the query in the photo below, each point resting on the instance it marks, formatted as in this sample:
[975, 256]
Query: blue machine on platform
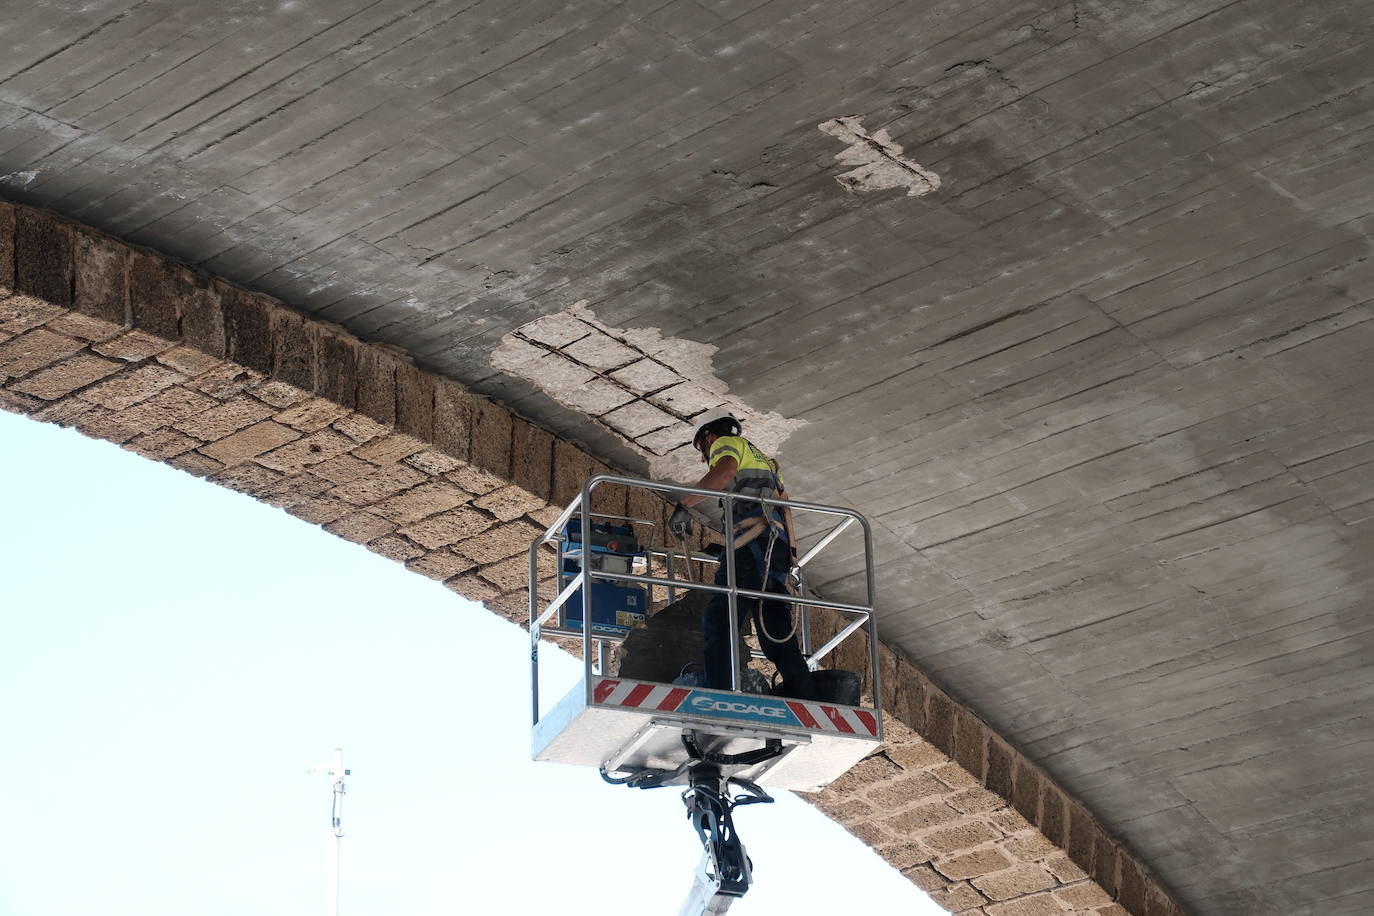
[616, 607]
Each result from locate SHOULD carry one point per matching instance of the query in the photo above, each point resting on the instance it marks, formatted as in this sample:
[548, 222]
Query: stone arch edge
[230, 385]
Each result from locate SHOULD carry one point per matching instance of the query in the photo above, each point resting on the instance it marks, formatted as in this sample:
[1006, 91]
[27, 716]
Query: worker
[763, 556]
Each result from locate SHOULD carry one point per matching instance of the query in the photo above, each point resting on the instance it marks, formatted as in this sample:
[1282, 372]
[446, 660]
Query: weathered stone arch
[229, 385]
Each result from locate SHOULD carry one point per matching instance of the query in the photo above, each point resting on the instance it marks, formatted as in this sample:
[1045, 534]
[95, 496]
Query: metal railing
[595, 647]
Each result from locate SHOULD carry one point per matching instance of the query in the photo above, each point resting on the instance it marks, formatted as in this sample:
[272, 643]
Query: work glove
[680, 523]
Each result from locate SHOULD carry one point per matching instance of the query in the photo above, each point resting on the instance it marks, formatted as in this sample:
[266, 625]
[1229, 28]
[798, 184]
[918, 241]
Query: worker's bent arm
[715, 479]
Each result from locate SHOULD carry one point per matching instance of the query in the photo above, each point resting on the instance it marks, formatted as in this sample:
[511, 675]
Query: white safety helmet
[718, 422]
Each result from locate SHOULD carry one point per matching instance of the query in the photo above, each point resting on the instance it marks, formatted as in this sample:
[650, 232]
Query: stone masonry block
[453, 419]
[922, 818]
[309, 416]
[378, 485]
[387, 450]
[898, 793]
[226, 380]
[7, 219]
[129, 387]
[507, 503]
[311, 450]
[917, 755]
[1106, 867]
[414, 402]
[1030, 848]
[1010, 822]
[509, 575]
[1131, 893]
[427, 499]
[133, 346]
[984, 861]
[940, 722]
[395, 548]
[1157, 903]
[189, 362]
[1026, 791]
[251, 442]
[1085, 895]
[360, 527]
[360, 428]
[903, 855]
[609, 498]
[161, 445]
[156, 289]
[376, 386]
[1014, 882]
[440, 565]
[33, 350]
[970, 744]
[433, 463]
[63, 412]
[571, 468]
[532, 459]
[955, 776]
[162, 409]
[225, 418]
[202, 315]
[924, 877]
[321, 510]
[448, 528]
[472, 587]
[24, 313]
[247, 330]
[84, 327]
[1052, 815]
[14, 402]
[998, 777]
[867, 772]
[283, 394]
[293, 489]
[195, 464]
[958, 897]
[67, 376]
[868, 832]
[101, 277]
[976, 801]
[293, 348]
[959, 837]
[474, 479]
[336, 375]
[499, 543]
[1038, 905]
[491, 438]
[1082, 836]
[845, 810]
[247, 478]
[43, 257]
[343, 469]
[1064, 870]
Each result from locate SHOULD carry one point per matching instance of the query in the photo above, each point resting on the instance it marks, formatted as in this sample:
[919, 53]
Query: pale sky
[174, 656]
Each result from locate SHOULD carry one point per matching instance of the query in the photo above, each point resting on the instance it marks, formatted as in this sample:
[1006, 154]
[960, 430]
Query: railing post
[732, 597]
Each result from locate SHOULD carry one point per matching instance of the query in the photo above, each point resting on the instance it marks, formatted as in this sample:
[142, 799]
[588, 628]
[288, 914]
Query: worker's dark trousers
[777, 619]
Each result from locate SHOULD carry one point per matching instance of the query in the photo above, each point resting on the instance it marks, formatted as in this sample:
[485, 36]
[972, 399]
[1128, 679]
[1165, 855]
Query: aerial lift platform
[724, 747]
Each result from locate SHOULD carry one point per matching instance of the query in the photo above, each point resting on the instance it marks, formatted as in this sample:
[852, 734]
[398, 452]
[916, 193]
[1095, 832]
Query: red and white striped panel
[841, 720]
[663, 697]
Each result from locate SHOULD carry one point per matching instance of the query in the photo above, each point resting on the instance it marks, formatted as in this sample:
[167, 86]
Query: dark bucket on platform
[836, 686]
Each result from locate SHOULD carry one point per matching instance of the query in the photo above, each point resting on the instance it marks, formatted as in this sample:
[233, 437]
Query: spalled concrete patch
[645, 388]
[879, 160]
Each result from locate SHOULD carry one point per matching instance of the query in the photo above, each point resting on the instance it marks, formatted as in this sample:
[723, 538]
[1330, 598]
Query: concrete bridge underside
[1072, 300]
